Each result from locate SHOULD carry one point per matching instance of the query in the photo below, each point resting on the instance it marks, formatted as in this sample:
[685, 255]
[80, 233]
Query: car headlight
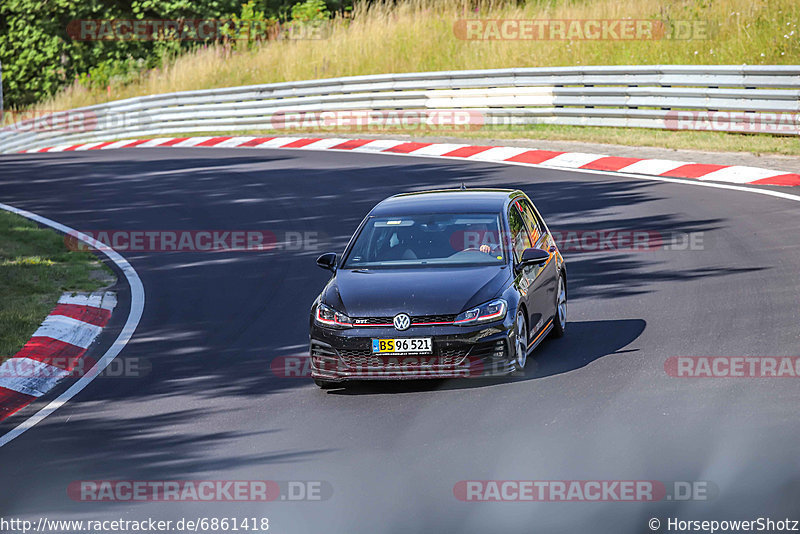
[327, 316]
[491, 311]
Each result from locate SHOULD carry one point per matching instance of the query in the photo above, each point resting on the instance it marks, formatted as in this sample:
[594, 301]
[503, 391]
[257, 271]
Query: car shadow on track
[585, 342]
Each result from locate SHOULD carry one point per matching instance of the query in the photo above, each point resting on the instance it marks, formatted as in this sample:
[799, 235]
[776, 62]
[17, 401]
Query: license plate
[411, 345]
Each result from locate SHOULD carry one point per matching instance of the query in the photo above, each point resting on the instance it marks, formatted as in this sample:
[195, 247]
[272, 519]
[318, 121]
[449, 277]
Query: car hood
[428, 291]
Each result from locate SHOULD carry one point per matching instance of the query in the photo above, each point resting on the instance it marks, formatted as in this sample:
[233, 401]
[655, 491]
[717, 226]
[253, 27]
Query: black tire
[325, 384]
[559, 320]
[520, 342]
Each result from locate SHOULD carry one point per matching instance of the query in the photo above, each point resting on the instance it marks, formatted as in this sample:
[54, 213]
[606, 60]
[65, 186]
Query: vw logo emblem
[401, 321]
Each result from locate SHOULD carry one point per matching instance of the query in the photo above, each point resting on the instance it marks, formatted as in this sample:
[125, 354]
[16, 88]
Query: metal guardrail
[741, 98]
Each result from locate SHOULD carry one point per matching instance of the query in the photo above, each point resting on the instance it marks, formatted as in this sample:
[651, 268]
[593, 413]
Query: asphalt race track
[595, 405]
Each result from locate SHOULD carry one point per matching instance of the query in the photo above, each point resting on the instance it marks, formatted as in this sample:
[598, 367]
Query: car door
[545, 282]
[520, 239]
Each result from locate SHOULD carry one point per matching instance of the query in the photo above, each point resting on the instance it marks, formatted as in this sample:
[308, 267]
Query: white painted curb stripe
[106, 300]
[498, 153]
[438, 149]
[277, 142]
[35, 378]
[59, 148]
[30, 377]
[68, 330]
[192, 141]
[739, 174]
[87, 146]
[572, 160]
[377, 145]
[234, 141]
[653, 167]
[154, 142]
[325, 144]
[116, 144]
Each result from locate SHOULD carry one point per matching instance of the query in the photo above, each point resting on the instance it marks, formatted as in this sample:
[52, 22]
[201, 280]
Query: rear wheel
[520, 342]
[560, 318]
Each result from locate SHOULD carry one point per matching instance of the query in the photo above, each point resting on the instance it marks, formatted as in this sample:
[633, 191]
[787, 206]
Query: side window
[531, 219]
[520, 240]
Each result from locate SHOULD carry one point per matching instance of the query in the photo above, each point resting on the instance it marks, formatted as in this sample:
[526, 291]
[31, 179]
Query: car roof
[446, 201]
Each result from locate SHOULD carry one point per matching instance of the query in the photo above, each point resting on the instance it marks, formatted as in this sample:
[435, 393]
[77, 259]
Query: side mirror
[327, 261]
[533, 256]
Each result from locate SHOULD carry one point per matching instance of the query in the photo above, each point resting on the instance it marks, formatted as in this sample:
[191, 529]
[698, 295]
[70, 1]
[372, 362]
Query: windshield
[430, 239]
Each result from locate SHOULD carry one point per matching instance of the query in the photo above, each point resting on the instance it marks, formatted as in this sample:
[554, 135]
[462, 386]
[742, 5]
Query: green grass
[35, 268]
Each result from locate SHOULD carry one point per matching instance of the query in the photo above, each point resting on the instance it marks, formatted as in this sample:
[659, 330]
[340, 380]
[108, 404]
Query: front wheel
[560, 317]
[520, 342]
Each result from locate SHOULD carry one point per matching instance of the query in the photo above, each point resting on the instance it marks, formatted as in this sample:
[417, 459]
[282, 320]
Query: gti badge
[401, 321]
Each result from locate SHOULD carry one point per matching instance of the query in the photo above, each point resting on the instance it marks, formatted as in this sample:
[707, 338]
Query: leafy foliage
[39, 56]
[310, 10]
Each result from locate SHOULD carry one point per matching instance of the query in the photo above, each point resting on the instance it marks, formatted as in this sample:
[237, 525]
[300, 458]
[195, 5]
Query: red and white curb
[55, 350]
[735, 174]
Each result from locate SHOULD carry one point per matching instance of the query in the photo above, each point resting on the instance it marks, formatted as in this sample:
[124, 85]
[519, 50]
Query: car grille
[444, 355]
[365, 358]
[415, 319]
[322, 351]
[433, 319]
[492, 349]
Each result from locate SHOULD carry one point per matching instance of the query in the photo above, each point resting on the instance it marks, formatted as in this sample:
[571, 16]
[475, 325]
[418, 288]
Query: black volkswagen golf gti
[439, 284]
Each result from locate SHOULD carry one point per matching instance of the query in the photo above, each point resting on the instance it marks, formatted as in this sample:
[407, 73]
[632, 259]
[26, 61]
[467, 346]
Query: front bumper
[458, 352]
